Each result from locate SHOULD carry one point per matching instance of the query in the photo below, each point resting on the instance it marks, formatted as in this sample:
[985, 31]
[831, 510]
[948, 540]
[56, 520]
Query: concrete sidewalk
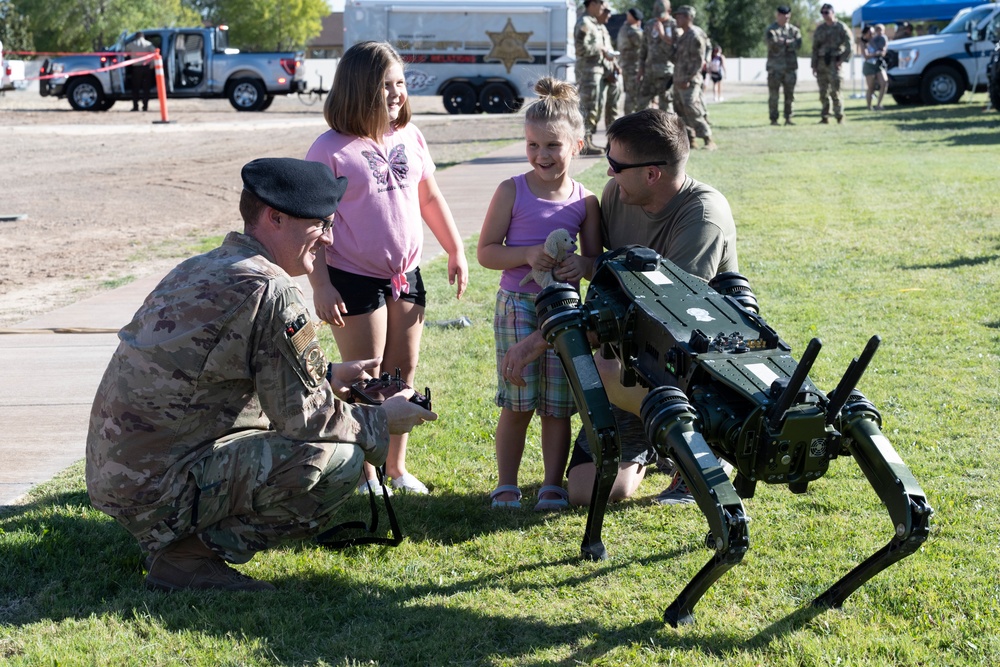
[49, 379]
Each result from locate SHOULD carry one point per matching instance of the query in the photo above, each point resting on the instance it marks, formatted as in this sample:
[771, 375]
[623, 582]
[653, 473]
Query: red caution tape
[63, 75]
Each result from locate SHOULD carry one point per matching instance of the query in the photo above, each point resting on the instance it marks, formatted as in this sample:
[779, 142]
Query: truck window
[189, 60]
[961, 21]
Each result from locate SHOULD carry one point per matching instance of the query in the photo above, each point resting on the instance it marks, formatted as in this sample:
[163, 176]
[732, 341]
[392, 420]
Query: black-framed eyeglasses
[619, 167]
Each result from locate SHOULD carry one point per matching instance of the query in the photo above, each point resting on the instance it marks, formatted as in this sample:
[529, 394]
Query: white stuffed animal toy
[558, 245]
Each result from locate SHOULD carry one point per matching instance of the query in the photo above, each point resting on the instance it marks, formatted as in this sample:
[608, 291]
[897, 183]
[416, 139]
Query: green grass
[887, 225]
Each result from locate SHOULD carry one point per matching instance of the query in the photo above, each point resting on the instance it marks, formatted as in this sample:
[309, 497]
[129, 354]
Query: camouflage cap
[660, 7]
[300, 188]
[685, 9]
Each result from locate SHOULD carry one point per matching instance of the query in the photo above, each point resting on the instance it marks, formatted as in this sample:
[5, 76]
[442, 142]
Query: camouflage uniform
[611, 83]
[657, 67]
[591, 40]
[630, 42]
[783, 44]
[832, 46]
[689, 59]
[215, 416]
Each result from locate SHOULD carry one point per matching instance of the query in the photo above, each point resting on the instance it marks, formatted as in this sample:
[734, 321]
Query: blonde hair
[557, 103]
[356, 104]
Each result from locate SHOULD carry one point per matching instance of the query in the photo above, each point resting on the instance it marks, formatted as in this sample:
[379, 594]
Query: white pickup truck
[938, 69]
[197, 62]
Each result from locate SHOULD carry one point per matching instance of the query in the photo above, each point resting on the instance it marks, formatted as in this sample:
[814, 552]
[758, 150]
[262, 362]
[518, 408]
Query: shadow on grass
[957, 263]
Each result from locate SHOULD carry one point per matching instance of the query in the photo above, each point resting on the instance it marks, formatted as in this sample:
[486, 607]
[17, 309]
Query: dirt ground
[111, 195]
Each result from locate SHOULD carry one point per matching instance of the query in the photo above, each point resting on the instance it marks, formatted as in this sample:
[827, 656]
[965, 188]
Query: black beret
[300, 188]
[784, 9]
[636, 13]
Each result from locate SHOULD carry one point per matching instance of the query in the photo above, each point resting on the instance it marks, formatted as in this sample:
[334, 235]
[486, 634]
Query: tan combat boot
[190, 564]
[589, 147]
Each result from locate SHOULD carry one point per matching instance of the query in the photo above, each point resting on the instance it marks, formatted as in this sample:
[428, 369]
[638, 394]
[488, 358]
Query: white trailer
[477, 55]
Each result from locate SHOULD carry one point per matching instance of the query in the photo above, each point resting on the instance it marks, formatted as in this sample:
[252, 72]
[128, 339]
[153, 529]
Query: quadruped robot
[723, 385]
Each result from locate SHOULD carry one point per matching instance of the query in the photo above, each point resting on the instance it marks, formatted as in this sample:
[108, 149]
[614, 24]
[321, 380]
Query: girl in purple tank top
[524, 210]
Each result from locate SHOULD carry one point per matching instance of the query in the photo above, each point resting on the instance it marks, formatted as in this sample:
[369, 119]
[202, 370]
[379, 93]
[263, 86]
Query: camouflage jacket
[783, 46]
[656, 54]
[689, 55]
[590, 39]
[832, 44]
[223, 344]
[630, 39]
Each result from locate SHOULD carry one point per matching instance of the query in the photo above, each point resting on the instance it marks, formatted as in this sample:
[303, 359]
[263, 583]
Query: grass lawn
[889, 225]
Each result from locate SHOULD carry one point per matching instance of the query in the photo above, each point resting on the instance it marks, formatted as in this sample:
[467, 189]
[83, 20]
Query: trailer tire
[459, 97]
[941, 85]
[497, 97]
[247, 94]
[84, 94]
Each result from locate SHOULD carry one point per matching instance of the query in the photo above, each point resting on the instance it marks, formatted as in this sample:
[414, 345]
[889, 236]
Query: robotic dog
[738, 396]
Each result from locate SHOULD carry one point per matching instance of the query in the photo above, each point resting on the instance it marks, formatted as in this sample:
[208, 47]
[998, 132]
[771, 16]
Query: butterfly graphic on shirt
[381, 168]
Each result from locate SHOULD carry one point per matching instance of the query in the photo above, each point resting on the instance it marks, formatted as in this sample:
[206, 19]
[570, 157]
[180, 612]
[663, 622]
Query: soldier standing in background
[629, 44]
[611, 84]
[655, 67]
[593, 49]
[783, 43]
[689, 63]
[832, 46]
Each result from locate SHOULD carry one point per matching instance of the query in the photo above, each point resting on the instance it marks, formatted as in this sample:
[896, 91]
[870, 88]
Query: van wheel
[247, 94]
[941, 85]
[459, 97]
[84, 94]
[497, 98]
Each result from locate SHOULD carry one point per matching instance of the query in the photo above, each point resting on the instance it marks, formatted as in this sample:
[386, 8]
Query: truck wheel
[108, 103]
[497, 97]
[247, 94]
[941, 85]
[84, 94]
[903, 100]
[267, 102]
[459, 97]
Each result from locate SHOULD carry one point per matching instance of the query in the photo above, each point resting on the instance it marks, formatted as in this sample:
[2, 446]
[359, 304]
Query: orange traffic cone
[161, 88]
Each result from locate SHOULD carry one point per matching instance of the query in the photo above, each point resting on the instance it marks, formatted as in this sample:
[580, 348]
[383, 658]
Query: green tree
[265, 25]
[83, 25]
[14, 32]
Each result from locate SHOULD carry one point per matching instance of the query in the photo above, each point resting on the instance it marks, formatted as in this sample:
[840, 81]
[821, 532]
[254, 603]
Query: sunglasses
[325, 225]
[619, 167]
[826, 11]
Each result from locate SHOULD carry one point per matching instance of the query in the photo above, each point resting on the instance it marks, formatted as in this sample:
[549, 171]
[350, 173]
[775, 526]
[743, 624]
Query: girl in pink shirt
[524, 210]
[372, 293]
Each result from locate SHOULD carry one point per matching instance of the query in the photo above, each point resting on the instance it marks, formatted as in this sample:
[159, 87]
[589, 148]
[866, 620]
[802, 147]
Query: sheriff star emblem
[508, 46]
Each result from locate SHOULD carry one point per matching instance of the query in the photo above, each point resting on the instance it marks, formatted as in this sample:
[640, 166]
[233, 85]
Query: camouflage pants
[690, 107]
[776, 81]
[253, 491]
[655, 86]
[828, 78]
[589, 84]
[612, 100]
[630, 81]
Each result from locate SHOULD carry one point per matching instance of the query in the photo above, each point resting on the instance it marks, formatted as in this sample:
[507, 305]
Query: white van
[938, 69]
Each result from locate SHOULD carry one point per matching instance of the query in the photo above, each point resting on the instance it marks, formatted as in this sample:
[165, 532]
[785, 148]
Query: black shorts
[716, 77]
[636, 447]
[364, 294]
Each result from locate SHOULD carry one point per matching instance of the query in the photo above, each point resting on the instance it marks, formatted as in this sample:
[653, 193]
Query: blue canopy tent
[894, 11]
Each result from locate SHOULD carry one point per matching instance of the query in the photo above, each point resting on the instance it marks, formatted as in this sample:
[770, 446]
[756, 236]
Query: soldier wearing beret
[783, 43]
[630, 40]
[689, 63]
[832, 46]
[218, 429]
